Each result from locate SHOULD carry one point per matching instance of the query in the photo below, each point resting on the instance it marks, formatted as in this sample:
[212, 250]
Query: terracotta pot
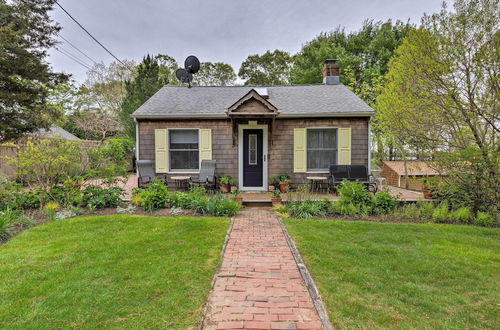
[276, 201]
[271, 188]
[284, 187]
[225, 188]
[426, 191]
[239, 199]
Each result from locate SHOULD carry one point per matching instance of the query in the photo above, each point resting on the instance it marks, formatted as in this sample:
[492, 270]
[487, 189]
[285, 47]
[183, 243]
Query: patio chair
[146, 172]
[207, 177]
[359, 173]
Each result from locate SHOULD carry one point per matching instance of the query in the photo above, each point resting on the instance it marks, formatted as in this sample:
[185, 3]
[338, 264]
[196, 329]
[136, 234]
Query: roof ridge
[251, 86]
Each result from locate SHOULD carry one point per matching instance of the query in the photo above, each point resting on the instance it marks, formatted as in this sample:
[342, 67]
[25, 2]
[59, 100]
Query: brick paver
[259, 285]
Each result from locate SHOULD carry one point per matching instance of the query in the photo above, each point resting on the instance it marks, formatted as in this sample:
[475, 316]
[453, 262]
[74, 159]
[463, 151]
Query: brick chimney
[331, 72]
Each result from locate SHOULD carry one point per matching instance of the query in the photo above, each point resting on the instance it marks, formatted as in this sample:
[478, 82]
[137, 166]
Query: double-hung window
[321, 148]
[184, 150]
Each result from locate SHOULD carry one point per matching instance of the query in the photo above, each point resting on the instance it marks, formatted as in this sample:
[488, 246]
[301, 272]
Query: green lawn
[118, 271]
[386, 275]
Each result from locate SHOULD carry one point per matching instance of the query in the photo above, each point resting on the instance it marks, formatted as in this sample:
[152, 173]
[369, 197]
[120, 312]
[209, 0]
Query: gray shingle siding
[294, 100]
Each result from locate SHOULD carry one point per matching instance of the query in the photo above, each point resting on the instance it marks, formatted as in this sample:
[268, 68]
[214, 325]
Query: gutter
[284, 116]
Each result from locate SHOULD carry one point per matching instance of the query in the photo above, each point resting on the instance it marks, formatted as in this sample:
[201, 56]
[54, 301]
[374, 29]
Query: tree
[25, 77]
[147, 82]
[443, 94]
[214, 74]
[270, 68]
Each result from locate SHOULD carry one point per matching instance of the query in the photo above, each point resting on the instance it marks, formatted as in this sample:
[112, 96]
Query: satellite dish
[192, 64]
[183, 75]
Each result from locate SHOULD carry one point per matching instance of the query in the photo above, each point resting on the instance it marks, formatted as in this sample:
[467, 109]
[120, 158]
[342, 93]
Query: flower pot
[225, 188]
[426, 192]
[284, 187]
[271, 187]
[239, 199]
[276, 201]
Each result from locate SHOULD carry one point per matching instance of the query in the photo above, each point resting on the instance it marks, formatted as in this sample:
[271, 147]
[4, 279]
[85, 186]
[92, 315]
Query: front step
[257, 202]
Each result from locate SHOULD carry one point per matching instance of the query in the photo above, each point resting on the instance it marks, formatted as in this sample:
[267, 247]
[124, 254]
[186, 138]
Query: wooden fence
[11, 151]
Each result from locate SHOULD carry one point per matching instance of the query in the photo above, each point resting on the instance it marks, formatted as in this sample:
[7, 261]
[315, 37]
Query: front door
[253, 161]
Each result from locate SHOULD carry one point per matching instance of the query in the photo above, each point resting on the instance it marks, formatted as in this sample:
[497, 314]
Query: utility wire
[84, 29]
[73, 58]
[73, 55]
[78, 49]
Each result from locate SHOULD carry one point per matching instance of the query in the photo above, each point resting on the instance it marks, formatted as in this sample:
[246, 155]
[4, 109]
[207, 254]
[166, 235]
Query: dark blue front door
[253, 158]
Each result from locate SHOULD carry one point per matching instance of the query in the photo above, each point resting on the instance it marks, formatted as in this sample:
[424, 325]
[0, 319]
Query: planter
[225, 188]
[238, 199]
[276, 201]
[284, 187]
[426, 191]
[271, 187]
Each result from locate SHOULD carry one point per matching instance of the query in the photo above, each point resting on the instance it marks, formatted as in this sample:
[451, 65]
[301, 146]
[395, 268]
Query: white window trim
[321, 171]
[182, 171]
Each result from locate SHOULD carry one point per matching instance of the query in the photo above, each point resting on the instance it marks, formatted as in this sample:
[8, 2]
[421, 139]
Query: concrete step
[257, 202]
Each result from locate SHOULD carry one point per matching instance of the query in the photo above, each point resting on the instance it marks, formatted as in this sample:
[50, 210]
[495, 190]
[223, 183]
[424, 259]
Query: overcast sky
[217, 30]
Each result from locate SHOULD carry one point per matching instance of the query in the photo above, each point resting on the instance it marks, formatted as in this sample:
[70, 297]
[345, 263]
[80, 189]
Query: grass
[385, 275]
[120, 271]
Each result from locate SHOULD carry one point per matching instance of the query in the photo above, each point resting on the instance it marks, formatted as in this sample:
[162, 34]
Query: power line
[73, 58]
[84, 29]
[78, 49]
[73, 55]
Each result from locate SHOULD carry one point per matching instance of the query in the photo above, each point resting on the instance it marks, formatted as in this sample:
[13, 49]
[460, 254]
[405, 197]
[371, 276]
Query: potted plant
[276, 198]
[284, 183]
[225, 183]
[237, 196]
[273, 183]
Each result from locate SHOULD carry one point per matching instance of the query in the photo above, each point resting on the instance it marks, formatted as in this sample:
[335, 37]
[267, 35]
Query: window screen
[321, 148]
[183, 147]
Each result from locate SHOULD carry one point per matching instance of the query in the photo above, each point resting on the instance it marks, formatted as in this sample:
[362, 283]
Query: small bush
[461, 215]
[441, 213]
[24, 221]
[97, 197]
[126, 210]
[354, 193]
[7, 218]
[50, 210]
[154, 197]
[384, 203]
[426, 209]
[65, 214]
[407, 211]
[222, 206]
[176, 211]
[200, 205]
[484, 219]
[307, 209]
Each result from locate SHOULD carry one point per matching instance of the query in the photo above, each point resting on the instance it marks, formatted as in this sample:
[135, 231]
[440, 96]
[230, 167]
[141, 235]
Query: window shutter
[206, 144]
[345, 146]
[161, 151]
[299, 150]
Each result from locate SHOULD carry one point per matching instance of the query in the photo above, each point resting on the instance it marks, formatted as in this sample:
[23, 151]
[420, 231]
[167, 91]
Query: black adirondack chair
[207, 176]
[146, 172]
[359, 173]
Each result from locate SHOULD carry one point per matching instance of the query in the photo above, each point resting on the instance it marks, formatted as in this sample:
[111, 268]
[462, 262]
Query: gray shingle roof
[55, 132]
[294, 100]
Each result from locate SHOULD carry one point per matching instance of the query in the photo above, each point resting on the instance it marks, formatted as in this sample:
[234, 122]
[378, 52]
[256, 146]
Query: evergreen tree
[26, 32]
[146, 83]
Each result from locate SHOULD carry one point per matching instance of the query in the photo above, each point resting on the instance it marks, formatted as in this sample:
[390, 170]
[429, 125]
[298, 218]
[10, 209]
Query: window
[183, 148]
[252, 149]
[321, 148]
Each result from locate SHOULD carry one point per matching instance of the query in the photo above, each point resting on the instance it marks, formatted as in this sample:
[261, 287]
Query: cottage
[394, 173]
[255, 132]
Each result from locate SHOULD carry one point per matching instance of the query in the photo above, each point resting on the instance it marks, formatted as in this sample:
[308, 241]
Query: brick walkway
[259, 285]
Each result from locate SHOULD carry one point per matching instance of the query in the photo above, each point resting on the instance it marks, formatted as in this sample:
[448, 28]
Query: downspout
[369, 147]
[136, 144]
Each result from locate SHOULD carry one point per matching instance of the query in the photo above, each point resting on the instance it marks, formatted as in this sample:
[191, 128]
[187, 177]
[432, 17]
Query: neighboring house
[54, 132]
[255, 132]
[394, 173]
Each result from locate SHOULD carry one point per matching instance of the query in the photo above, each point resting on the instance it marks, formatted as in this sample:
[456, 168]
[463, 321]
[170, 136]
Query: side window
[321, 148]
[184, 149]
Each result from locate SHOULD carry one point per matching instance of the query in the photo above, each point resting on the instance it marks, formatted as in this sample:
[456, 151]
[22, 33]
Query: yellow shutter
[345, 146]
[206, 144]
[299, 150]
[161, 151]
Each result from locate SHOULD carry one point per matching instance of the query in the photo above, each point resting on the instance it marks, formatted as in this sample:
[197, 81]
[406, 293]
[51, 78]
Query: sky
[213, 30]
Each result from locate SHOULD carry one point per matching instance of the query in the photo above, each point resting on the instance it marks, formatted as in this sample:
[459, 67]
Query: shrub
[484, 219]
[67, 194]
[179, 199]
[354, 193]
[50, 210]
[24, 221]
[441, 213]
[200, 205]
[97, 197]
[426, 209]
[349, 209]
[65, 214]
[7, 218]
[384, 203]
[154, 197]
[222, 206]
[307, 209]
[461, 215]
[408, 211]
